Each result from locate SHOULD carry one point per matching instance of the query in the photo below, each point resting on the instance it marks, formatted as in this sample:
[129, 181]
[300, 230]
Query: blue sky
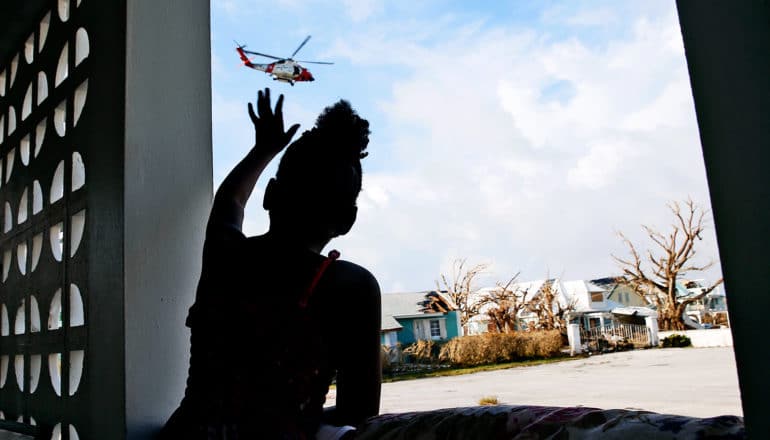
[522, 134]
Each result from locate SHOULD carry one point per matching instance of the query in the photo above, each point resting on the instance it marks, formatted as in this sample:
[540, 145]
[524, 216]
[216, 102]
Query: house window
[390, 339]
[435, 329]
[597, 297]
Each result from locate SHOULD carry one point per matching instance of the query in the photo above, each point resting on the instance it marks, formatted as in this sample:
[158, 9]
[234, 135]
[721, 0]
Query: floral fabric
[541, 422]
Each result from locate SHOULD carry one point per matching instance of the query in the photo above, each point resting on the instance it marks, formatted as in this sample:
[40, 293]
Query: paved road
[699, 382]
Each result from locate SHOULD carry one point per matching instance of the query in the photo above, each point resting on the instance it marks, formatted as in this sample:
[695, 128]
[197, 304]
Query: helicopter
[283, 69]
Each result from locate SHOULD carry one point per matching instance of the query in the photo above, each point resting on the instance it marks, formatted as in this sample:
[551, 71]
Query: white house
[588, 301]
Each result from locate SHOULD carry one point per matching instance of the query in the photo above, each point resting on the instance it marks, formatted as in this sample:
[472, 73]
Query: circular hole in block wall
[62, 67]
[57, 241]
[7, 256]
[73, 433]
[57, 184]
[80, 100]
[2, 128]
[21, 257]
[14, 67]
[77, 311]
[26, 107]
[4, 361]
[35, 365]
[10, 158]
[20, 326]
[64, 10]
[58, 429]
[8, 220]
[76, 370]
[2, 84]
[34, 315]
[37, 249]
[5, 324]
[18, 367]
[37, 197]
[24, 148]
[21, 214]
[54, 312]
[11, 120]
[54, 371]
[60, 118]
[82, 48]
[42, 87]
[77, 225]
[45, 23]
[29, 49]
[78, 171]
[40, 135]
[32, 421]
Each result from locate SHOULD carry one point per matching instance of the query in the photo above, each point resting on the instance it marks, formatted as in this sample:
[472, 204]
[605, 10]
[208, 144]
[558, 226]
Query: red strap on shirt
[333, 255]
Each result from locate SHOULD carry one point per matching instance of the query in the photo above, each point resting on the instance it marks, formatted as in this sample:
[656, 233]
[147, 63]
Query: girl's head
[315, 189]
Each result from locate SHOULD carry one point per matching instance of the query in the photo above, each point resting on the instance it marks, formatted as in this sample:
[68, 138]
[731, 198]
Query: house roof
[606, 282]
[405, 304]
[579, 293]
[389, 323]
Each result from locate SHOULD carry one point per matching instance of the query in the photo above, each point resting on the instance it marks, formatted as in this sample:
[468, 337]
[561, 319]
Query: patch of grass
[476, 369]
[488, 401]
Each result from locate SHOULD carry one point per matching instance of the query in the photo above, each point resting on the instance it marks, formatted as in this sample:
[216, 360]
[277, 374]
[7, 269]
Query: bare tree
[549, 310]
[506, 301]
[460, 289]
[669, 260]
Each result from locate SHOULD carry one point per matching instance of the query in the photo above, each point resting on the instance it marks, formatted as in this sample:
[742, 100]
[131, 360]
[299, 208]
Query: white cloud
[360, 10]
[488, 169]
[598, 168]
[597, 17]
[483, 163]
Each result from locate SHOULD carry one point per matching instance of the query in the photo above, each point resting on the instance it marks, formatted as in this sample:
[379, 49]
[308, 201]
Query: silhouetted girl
[274, 321]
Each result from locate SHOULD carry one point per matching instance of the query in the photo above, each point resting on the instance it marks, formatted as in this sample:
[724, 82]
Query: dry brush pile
[492, 348]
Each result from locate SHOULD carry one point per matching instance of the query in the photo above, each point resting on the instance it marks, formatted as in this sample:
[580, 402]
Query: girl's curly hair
[336, 142]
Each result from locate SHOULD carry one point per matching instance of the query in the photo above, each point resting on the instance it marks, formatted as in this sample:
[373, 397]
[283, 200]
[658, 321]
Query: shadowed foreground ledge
[536, 422]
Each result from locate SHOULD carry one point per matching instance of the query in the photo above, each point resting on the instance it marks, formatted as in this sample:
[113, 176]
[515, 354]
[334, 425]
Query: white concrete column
[652, 327]
[573, 335]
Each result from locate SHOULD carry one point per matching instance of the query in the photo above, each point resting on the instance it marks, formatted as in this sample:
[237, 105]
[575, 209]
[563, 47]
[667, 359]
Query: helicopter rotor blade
[300, 46]
[315, 62]
[262, 55]
[239, 45]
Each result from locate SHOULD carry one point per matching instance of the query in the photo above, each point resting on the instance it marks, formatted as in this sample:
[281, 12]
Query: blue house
[413, 316]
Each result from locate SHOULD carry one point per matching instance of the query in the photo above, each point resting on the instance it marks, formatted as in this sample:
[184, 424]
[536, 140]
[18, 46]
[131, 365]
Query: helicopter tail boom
[246, 61]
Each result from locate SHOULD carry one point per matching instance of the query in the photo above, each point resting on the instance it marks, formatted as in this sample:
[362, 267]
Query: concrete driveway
[699, 382]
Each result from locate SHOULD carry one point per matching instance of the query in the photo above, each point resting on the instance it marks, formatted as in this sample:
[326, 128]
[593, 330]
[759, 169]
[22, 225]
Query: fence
[629, 333]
